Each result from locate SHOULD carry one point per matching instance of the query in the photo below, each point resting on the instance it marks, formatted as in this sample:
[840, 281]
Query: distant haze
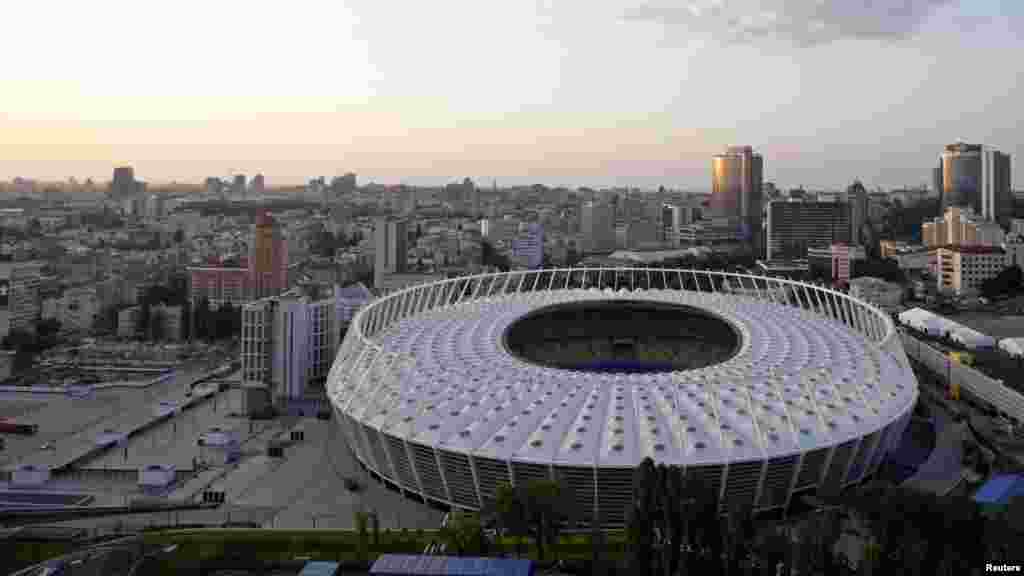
[566, 92]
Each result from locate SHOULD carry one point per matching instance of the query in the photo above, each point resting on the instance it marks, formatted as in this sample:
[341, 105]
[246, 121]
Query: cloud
[800, 22]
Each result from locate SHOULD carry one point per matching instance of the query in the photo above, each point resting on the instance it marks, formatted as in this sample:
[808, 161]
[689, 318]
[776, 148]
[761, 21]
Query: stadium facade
[432, 396]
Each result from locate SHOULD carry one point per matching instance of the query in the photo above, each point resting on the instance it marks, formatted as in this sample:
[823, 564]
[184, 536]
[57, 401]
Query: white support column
[444, 479]
[760, 483]
[568, 278]
[849, 465]
[476, 480]
[869, 455]
[552, 281]
[412, 464]
[536, 279]
[479, 287]
[519, 287]
[508, 280]
[828, 462]
[793, 481]
[722, 492]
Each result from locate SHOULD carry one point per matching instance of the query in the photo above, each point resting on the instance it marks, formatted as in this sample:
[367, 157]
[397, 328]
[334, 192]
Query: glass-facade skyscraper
[976, 177]
[736, 190]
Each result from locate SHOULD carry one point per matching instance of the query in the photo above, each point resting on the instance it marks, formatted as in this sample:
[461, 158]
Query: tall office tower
[268, 259]
[597, 227]
[736, 190]
[238, 186]
[390, 248]
[793, 227]
[123, 185]
[258, 184]
[857, 196]
[528, 246]
[977, 177]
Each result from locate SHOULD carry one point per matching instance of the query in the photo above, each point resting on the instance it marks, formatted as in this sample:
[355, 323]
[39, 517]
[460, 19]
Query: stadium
[764, 388]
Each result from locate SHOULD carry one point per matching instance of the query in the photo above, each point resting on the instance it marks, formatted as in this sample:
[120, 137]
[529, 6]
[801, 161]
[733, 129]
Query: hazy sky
[562, 92]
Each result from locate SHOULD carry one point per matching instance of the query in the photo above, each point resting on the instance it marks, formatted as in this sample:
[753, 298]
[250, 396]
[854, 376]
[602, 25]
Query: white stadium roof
[799, 381]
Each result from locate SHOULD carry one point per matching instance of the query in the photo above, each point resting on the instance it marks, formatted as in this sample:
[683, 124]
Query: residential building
[78, 309]
[1017, 226]
[128, 321]
[171, 320]
[264, 273]
[794, 226]
[597, 227]
[19, 296]
[390, 250]
[528, 247]
[838, 260]
[962, 269]
[713, 232]
[737, 178]
[268, 259]
[289, 341]
[960, 226]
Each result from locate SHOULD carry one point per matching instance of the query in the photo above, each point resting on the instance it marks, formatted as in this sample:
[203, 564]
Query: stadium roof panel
[799, 380]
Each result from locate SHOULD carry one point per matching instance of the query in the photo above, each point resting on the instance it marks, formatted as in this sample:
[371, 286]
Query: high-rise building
[19, 296]
[857, 196]
[528, 247]
[238, 186]
[123, 185]
[268, 260]
[960, 227]
[289, 342]
[736, 190]
[597, 227]
[214, 186]
[390, 248]
[343, 186]
[978, 177]
[793, 227]
[258, 185]
[471, 197]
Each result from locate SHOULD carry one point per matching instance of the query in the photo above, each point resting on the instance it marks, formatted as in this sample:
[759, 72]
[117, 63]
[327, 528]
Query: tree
[1008, 281]
[508, 512]
[547, 506]
[463, 534]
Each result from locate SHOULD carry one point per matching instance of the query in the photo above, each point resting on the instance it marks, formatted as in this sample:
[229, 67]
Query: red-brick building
[263, 274]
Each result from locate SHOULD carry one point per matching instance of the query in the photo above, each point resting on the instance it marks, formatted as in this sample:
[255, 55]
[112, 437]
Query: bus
[10, 427]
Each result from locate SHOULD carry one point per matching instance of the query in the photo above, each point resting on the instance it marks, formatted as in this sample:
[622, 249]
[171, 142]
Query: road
[72, 424]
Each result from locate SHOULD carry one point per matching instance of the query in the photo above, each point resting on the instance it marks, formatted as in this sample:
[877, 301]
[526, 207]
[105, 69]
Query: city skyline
[571, 95]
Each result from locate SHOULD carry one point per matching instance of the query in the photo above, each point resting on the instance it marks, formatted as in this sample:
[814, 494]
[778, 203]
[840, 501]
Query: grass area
[247, 546]
[18, 555]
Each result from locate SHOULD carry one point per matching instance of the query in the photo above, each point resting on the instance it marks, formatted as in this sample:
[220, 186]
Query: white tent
[1012, 346]
[972, 339]
[938, 326]
[924, 321]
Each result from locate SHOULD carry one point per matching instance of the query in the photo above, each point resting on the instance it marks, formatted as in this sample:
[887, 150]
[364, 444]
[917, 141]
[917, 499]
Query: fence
[989, 390]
